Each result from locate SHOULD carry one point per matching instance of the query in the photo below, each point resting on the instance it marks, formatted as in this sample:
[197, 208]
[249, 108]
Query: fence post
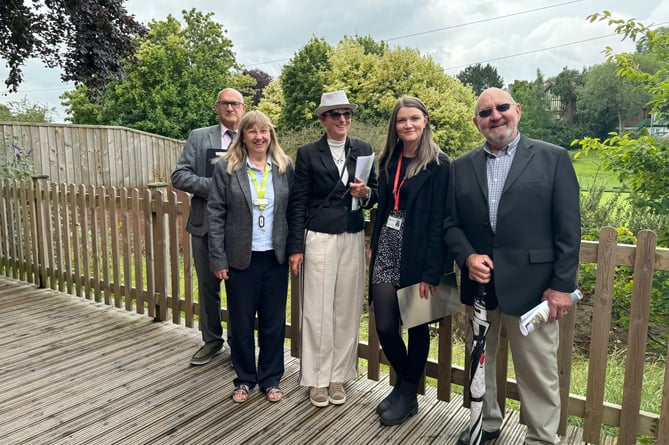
[39, 228]
[160, 247]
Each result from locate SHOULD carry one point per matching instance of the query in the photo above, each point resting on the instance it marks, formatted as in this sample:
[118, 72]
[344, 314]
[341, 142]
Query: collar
[250, 164]
[509, 150]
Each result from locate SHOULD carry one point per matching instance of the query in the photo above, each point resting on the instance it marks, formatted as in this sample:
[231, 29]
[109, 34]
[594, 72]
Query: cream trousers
[334, 273]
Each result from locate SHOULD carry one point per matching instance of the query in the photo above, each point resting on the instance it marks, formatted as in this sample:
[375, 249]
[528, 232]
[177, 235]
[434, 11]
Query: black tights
[408, 364]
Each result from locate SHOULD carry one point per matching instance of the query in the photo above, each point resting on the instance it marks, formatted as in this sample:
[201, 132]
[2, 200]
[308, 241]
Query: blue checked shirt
[497, 170]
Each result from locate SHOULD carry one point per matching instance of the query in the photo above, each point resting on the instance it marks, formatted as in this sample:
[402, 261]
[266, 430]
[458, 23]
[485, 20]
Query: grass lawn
[590, 170]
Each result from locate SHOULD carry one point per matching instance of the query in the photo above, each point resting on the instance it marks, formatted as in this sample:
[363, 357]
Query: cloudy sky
[517, 37]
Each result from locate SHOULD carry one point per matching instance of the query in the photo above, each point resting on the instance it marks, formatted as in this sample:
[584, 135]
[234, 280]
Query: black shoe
[205, 354]
[390, 398]
[405, 406]
[487, 435]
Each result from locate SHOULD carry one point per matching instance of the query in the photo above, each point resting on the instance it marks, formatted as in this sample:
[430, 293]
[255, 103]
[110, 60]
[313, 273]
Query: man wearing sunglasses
[513, 224]
[329, 250]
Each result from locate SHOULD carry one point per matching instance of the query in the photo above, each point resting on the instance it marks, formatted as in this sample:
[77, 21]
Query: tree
[374, 77]
[24, 111]
[606, 100]
[538, 121]
[565, 86]
[87, 39]
[262, 80]
[642, 164]
[171, 84]
[480, 77]
[272, 102]
[404, 71]
[302, 83]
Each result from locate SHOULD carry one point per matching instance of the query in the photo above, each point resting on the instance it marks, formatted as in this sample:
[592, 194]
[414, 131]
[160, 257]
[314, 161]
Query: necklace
[338, 156]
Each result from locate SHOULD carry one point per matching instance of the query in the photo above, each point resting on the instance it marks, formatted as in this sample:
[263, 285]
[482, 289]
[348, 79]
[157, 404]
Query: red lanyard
[396, 189]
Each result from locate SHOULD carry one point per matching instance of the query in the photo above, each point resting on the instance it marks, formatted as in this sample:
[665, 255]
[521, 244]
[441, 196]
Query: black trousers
[260, 289]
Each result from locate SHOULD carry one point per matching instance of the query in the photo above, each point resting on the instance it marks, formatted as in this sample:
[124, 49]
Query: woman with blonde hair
[248, 233]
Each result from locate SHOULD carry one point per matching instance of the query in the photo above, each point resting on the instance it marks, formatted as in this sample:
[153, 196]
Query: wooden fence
[128, 248]
[92, 154]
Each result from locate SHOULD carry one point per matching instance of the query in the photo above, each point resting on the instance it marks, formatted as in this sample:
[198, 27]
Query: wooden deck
[78, 372]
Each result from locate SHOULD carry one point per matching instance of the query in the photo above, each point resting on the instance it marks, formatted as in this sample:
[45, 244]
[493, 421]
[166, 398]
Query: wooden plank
[125, 251]
[187, 262]
[68, 234]
[96, 233]
[160, 243]
[149, 254]
[76, 236]
[84, 200]
[663, 427]
[173, 264]
[138, 231]
[25, 255]
[57, 231]
[4, 229]
[599, 340]
[115, 250]
[105, 222]
[638, 330]
[445, 358]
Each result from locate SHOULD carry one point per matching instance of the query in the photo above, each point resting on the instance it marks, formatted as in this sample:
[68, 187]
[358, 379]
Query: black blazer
[315, 176]
[424, 253]
[538, 237]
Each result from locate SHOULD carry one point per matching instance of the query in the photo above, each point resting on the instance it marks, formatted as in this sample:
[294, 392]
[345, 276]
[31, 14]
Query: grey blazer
[191, 176]
[231, 216]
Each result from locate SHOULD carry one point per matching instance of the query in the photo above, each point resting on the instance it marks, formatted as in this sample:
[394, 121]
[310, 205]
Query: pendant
[261, 221]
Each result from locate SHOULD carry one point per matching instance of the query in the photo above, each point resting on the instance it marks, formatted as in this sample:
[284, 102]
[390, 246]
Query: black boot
[406, 405]
[390, 398]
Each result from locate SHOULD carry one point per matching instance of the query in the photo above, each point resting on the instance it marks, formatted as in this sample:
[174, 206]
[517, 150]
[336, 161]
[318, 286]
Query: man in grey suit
[513, 223]
[193, 175]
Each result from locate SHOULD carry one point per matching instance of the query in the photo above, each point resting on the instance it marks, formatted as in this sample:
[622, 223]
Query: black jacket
[424, 254]
[315, 177]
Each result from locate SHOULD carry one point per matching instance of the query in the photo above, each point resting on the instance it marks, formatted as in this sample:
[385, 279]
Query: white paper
[538, 315]
[363, 168]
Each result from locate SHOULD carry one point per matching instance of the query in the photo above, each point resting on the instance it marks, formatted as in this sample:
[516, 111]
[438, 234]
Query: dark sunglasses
[336, 114]
[486, 112]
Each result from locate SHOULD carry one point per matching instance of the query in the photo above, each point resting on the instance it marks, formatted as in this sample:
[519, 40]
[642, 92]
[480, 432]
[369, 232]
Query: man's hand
[558, 304]
[480, 268]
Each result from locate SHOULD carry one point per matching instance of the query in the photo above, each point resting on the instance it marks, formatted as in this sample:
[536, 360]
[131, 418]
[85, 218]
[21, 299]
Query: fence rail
[93, 154]
[129, 248]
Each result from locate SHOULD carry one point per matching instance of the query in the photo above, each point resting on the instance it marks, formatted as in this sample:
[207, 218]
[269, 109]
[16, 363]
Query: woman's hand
[295, 262]
[359, 189]
[426, 290]
[221, 274]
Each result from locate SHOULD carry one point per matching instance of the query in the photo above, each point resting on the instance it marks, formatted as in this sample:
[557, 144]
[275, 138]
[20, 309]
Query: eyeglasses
[224, 104]
[336, 114]
[254, 133]
[487, 112]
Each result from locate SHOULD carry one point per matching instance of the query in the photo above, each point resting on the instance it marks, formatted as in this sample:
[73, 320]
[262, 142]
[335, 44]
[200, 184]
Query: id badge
[394, 222]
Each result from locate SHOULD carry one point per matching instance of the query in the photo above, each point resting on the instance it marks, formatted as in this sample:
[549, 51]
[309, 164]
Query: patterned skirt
[388, 252]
